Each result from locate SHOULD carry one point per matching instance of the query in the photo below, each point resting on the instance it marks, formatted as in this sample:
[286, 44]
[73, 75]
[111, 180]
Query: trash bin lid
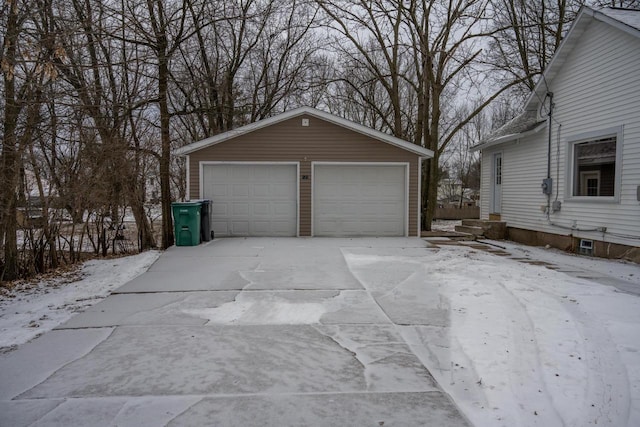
[189, 203]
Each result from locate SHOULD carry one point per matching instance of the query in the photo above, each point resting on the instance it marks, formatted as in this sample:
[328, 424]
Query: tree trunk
[165, 156]
[145, 232]
[10, 159]
[432, 191]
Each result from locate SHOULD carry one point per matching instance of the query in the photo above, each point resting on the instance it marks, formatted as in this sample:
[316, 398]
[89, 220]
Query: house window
[499, 170]
[595, 165]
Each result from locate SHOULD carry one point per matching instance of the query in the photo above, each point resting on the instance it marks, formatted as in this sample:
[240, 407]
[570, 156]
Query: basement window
[586, 247]
[595, 166]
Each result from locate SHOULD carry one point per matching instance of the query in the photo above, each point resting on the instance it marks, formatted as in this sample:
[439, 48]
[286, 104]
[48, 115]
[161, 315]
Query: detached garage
[307, 173]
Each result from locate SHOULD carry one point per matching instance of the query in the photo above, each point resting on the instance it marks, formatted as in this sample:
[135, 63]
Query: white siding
[524, 165]
[486, 163]
[597, 88]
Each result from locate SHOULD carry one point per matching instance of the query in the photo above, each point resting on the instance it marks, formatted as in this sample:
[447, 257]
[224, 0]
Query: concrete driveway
[245, 332]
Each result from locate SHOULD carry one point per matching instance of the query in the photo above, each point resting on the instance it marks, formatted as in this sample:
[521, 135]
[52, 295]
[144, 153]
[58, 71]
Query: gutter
[508, 138]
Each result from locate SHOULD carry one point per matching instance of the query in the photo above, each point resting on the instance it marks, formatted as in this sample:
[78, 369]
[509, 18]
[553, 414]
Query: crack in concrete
[113, 329]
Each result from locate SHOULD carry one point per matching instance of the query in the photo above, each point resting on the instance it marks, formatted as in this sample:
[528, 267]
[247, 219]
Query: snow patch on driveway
[246, 310]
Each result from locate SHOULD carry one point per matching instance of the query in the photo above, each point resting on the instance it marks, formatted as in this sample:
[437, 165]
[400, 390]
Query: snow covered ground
[529, 346]
[513, 344]
[31, 310]
[445, 224]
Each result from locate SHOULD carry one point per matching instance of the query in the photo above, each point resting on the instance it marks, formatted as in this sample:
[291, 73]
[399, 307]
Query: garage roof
[381, 136]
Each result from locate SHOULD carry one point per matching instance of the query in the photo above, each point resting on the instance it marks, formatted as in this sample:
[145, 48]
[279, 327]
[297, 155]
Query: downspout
[547, 184]
[550, 96]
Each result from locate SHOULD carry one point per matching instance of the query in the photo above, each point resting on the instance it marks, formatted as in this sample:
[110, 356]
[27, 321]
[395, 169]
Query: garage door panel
[260, 228]
[239, 209]
[282, 190]
[219, 210]
[238, 174]
[252, 199]
[238, 228]
[325, 191]
[369, 191]
[383, 209]
[221, 227]
[387, 191]
[219, 191]
[260, 209]
[277, 175]
[239, 190]
[280, 227]
[261, 190]
[354, 227]
[359, 200]
[325, 227]
[284, 209]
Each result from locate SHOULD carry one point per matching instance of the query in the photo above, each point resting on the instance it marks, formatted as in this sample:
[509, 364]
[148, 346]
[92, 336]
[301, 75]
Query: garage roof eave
[381, 136]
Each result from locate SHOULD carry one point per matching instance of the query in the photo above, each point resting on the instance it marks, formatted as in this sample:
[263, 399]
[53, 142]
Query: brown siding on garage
[321, 141]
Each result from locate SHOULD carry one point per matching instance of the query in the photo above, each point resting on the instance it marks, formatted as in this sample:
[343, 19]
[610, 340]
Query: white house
[566, 172]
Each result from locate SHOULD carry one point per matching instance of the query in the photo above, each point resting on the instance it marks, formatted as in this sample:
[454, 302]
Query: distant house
[566, 172]
[449, 190]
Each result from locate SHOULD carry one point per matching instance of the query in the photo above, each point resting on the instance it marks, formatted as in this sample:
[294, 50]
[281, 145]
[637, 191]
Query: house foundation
[600, 248]
[495, 230]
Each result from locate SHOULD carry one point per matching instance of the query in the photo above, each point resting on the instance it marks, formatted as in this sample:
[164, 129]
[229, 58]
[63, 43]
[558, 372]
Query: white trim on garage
[296, 164]
[406, 166]
[419, 217]
[187, 195]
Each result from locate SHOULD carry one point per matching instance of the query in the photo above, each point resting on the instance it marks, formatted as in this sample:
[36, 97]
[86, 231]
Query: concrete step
[453, 235]
[496, 230]
[476, 231]
[463, 237]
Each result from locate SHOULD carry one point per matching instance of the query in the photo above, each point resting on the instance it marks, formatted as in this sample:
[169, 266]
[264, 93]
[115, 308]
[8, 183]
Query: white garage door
[252, 199]
[354, 200]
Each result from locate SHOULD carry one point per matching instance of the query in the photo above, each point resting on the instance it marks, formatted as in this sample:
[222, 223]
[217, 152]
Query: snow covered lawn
[33, 309]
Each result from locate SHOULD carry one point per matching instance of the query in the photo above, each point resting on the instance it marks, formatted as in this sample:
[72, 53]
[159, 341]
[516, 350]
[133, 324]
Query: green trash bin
[186, 223]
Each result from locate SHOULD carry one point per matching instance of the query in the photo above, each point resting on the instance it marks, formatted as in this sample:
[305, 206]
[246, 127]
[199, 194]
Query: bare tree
[425, 55]
[26, 69]
[630, 4]
[463, 164]
[283, 62]
[107, 90]
[531, 33]
[161, 27]
[246, 61]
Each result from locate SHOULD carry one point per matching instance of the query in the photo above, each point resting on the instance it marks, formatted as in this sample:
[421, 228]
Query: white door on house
[496, 191]
[359, 200]
[252, 199]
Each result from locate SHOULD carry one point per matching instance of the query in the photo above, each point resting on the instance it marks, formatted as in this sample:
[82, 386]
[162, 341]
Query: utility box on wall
[547, 186]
